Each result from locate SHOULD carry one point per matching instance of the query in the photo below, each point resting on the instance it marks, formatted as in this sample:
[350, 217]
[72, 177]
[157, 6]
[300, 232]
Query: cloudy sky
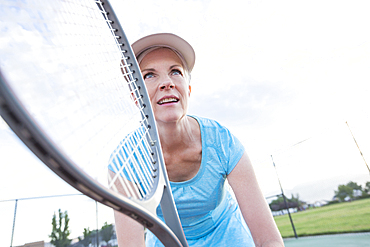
[283, 76]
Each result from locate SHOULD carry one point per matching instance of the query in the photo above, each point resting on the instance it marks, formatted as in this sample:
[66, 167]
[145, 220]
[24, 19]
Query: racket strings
[74, 79]
[135, 156]
[97, 112]
[84, 89]
[133, 165]
[71, 104]
[137, 171]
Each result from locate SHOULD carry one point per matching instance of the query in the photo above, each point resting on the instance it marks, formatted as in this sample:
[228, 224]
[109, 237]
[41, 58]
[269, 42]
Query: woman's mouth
[167, 100]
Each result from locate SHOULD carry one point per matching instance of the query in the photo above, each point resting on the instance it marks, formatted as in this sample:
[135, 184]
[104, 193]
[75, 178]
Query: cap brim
[169, 40]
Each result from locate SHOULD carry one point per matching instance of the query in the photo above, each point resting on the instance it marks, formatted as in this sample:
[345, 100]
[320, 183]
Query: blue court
[338, 240]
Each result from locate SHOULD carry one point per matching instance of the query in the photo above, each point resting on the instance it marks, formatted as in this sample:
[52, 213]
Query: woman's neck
[178, 135]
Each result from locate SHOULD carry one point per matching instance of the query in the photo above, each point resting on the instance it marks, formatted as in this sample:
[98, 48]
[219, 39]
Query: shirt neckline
[201, 168]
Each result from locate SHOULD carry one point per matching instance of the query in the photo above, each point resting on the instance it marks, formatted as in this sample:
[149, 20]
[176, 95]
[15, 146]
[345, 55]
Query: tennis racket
[72, 91]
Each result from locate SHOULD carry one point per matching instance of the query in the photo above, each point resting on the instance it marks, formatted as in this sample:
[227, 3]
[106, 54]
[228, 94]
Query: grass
[346, 217]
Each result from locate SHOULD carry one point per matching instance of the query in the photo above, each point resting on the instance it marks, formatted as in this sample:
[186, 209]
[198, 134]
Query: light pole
[286, 204]
[15, 213]
[358, 147]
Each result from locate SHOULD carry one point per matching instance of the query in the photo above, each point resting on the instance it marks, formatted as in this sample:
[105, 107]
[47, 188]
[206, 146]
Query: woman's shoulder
[208, 122]
[217, 134]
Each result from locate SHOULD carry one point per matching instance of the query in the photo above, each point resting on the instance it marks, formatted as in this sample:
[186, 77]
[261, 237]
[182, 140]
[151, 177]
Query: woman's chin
[169, 117]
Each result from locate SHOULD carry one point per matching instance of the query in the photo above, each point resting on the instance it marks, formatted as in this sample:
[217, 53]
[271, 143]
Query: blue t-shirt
[209, 215]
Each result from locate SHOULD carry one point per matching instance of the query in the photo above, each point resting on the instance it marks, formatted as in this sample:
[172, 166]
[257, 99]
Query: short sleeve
[233, 149]
[222, 146]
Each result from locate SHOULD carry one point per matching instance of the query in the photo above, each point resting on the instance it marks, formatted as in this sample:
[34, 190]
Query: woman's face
[167, 85]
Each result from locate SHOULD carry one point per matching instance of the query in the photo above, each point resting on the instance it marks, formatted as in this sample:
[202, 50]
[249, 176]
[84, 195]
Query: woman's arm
[129, 232]
[253, 205]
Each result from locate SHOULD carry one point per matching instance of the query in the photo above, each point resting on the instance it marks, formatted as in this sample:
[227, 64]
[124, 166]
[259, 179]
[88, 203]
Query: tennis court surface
[338, 240]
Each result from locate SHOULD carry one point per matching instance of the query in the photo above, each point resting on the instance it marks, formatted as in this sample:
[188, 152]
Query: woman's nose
[167, 84]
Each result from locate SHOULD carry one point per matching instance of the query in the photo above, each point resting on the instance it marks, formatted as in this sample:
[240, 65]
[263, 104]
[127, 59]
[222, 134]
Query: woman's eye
[148, 76]
[176, 72]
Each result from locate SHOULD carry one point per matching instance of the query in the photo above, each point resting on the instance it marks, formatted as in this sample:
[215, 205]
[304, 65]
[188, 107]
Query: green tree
[367, 187]
[279, 204]
[366, 190]
[354, 185]
[87, 237]
[344, 191]
[106, 232]
[294, 202]
[60, 232]
[347, 190]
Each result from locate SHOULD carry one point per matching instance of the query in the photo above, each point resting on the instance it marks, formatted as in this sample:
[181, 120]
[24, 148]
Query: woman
[199, 155]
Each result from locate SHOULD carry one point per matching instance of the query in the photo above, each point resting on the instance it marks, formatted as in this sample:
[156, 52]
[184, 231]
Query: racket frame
[31, 134]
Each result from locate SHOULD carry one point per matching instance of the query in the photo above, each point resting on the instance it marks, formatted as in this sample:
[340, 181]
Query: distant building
[34, 244]
[357, 193]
